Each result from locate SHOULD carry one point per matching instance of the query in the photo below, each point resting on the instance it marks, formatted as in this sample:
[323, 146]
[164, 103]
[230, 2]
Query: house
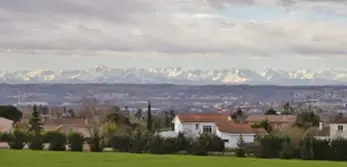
[276, 121]
[221, 125]
[5, 125]
[338, 128]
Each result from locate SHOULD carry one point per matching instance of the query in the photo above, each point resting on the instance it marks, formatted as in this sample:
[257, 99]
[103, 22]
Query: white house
[338, 129]
[5, 125]
[334, 130]
[219, 124]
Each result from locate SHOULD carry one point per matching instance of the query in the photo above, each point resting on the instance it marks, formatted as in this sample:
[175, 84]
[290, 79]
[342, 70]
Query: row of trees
[309, 148]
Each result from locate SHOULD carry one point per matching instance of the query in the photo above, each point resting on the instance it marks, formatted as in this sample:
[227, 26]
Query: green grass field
[9, 158]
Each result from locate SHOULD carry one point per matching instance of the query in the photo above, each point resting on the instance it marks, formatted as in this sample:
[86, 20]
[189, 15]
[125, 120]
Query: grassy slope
[69, 159]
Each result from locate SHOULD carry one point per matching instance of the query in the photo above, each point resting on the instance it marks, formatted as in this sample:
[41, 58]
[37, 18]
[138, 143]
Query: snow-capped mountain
[104, 74]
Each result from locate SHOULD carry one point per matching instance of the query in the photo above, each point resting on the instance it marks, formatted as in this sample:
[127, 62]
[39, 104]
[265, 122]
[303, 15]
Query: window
[340, 128]
[206, 129]
[196, 126]
[226, 140]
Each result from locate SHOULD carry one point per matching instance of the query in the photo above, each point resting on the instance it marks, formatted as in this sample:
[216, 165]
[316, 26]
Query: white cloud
[176, 27]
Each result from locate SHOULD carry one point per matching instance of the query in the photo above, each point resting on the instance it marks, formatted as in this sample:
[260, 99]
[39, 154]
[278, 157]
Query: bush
[36, 142]
[288, 151]
[95, 143]
[56, 140]
[200, 146]
[16, 140]
[271, 146]
[138, 142]
[306, 148]
[121, 143]
[156, 145]
[339, 149]
[321, 149]
[182, 142]
[75, 141]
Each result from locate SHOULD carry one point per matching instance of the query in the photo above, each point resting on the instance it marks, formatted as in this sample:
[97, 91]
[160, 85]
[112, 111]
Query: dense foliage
[75, 141]
[10, 112]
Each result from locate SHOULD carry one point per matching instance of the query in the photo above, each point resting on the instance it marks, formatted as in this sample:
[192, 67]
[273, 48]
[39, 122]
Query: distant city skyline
[190, 34]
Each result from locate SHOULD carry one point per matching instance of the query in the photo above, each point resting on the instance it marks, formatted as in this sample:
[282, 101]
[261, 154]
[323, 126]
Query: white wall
[334, 131]
[190, 128]
[233, 138]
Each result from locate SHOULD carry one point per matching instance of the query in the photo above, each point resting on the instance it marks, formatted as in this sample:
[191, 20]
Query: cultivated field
[10, 158]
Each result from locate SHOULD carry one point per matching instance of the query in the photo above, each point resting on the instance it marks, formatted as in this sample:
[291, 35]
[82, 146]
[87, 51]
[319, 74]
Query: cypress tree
[36, 141]
[149, 117]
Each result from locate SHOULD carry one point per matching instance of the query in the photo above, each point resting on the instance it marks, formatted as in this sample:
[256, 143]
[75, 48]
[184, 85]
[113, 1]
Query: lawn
[9, 158]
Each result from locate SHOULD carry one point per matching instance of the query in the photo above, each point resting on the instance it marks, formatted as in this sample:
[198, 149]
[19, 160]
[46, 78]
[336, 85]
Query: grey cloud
[93, 26]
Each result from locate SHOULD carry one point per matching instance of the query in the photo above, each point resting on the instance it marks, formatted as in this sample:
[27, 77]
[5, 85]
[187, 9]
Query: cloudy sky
[194, 34]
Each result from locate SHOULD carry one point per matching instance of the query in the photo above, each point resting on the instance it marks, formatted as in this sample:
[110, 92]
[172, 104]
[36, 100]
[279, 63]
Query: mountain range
[232, 76]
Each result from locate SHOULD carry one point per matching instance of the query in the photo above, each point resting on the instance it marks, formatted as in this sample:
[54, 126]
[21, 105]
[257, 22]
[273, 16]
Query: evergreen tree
[149, 117]
[35, 122]
[35, 127]
[240, 152]
[271, 111]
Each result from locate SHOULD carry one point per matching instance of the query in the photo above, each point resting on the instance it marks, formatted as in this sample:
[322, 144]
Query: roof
[202, 117]
[340, 121]
[221, 121]
[65, 122]
[272, 118]
[229, 127]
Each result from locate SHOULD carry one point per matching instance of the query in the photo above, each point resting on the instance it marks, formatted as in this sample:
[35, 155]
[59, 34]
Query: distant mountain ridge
[233, 76]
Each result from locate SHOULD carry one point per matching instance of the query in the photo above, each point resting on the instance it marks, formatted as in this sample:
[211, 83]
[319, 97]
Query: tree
[10, 112]
[238, 116]
[95, 124]
[271, 111]
[263, 124]
[240, 152]
[149, 117]
[57, 141]
[138, 114]
[35, 128]
[76, 141]
[307, 119]
[287, 109]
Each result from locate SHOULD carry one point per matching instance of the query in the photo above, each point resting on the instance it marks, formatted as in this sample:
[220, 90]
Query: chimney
[320, 126]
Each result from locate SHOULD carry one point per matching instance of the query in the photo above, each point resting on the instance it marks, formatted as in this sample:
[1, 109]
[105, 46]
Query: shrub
[120, 143]
[16, 140]
[138, 142]
[288, 152]
[75, 141]
[240, 151]
[271, 146]
[156, 145]
[200, 146]
[339, 149]
[95, 142]
[36, 142]
[56, 140]
[321, 149]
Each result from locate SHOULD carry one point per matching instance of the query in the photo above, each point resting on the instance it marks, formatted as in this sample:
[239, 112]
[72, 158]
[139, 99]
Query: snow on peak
[104, 74]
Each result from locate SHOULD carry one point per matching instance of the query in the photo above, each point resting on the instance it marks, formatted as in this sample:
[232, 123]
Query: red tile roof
[202, 117]
[340, 121]
[272, 118]
[221, 121]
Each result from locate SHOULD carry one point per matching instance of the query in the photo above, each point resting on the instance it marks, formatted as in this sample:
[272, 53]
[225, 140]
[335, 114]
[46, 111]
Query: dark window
[226, 140]
[207, 129]
[340, 128]
[196, 126]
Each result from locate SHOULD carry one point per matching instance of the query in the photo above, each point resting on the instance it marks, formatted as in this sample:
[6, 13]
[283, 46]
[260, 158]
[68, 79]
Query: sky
[191, 34]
